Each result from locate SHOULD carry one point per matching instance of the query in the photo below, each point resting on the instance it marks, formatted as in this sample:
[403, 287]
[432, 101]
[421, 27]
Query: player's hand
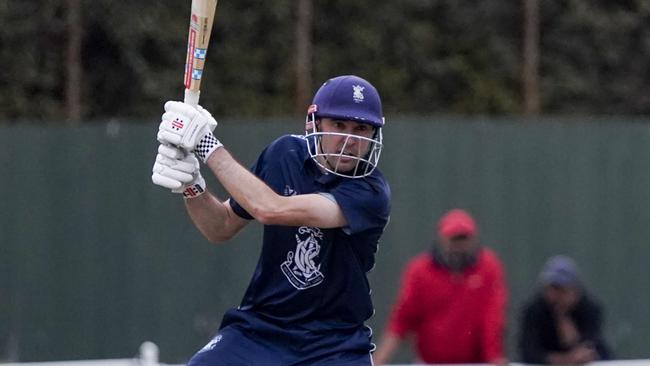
[583, 354]
[176, 170]
[189, 128]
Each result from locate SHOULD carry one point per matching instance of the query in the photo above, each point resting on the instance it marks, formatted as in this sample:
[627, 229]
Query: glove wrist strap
[194, 189]
[207, 146]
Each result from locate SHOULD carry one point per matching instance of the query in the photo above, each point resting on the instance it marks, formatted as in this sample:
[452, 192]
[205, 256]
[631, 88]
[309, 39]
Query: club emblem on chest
[301, 268]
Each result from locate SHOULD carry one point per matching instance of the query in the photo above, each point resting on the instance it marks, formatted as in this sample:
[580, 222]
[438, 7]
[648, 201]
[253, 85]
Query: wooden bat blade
[201, 20]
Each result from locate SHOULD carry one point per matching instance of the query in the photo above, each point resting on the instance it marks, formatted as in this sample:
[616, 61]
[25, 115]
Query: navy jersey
[308, 277]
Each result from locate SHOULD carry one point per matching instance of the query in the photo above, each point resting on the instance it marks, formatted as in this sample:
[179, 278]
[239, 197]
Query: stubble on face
[342, 152]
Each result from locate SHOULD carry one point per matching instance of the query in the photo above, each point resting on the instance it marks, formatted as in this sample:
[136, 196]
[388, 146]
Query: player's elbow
[218, 239]
[265, 216]
[218, 236]
[272, 213]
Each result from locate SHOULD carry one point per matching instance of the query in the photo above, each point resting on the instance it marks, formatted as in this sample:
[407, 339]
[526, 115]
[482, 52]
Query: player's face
[345, 145]
[561, 298]
[459, 252]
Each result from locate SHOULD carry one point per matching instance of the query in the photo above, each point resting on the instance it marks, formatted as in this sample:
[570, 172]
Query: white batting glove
[178, 171]
[189, 128]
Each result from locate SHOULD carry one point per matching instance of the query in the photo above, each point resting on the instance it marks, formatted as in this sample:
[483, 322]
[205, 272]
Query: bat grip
[192, 97]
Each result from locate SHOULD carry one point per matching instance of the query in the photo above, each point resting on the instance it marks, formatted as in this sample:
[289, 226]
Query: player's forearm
[268, 207]
[248, 190]
[389, 344]
[211, 217]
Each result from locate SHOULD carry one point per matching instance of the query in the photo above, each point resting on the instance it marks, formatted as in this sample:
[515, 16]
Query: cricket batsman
[324, 205]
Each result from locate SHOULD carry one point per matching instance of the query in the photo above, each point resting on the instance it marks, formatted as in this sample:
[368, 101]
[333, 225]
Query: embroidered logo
[288, 191]
[212, 343]
[177, 124]
[192, 191]
[357, 93]
[300, 267]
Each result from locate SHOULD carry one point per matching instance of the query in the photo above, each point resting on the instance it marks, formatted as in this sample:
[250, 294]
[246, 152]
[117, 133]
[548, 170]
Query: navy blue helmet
[349, 97]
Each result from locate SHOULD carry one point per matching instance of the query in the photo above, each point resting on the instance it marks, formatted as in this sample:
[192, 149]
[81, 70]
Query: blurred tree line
[96, 59]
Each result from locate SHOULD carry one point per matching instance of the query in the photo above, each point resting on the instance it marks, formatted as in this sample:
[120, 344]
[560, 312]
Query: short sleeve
[365, 203]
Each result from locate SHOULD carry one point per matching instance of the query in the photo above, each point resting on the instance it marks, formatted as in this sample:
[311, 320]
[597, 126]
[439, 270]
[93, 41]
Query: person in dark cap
[453, 299]
[562, 323]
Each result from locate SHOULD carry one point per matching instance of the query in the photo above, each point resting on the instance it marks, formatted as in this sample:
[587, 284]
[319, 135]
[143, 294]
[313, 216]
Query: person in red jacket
[453, 300]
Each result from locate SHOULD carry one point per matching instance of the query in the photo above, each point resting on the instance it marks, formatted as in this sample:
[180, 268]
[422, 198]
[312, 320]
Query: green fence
[94, 259]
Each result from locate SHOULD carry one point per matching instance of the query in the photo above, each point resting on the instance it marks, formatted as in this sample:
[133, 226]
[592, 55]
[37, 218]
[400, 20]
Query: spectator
[452, 299]
[561, 324]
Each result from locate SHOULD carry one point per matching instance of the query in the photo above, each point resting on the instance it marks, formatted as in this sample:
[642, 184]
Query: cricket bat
[202, 17]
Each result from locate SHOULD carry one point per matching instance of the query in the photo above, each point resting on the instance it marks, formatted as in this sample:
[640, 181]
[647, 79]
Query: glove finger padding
[171, 152]
[181, 108]
[174, 169]
[195, 189]
[188, 164]
[166, 182]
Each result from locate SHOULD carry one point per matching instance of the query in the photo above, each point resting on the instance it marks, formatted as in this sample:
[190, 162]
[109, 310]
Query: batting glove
[178, 171]
[189, 128]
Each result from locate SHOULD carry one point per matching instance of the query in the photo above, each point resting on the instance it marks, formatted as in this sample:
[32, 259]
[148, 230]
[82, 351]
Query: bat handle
[192, 97]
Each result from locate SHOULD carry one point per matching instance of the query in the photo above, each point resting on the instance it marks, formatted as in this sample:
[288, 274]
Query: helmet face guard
[346, 98]
[364, 164]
